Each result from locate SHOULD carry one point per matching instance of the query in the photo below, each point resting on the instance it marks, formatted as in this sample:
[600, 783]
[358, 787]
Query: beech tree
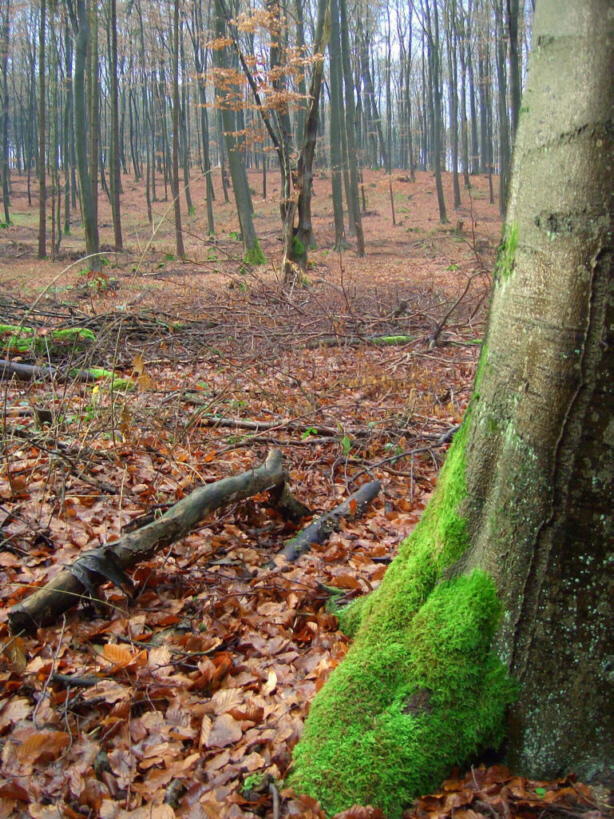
[493, 619]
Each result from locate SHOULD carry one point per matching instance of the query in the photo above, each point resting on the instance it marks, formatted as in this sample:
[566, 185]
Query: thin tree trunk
[4, 59]
[252, 251]
[94, 122]
[176, 114]
[350, 127]
[42, 160]
[336, 119]
[114, 160]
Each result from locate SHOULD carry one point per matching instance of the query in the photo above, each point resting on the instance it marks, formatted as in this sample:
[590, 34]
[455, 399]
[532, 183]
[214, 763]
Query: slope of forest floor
[186, 698]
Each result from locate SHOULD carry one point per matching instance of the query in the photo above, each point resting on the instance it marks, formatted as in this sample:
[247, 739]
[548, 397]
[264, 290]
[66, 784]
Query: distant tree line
[93, 90]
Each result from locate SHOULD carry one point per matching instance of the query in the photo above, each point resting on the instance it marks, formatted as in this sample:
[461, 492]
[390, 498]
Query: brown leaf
[13, 790]
[346, 581]
[224, 731]
[117, 654]
[360, 812]
[42, 746]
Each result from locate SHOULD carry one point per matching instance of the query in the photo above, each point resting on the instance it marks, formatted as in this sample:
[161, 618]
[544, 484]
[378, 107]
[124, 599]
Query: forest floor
[165, 702]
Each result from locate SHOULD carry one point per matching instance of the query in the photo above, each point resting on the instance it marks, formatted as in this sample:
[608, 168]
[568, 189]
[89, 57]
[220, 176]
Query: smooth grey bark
[176, 113]
[504, 125]
[350, 127]
[200, 58]
[93, 100]
[540, 479]
[80, 22]
[114, 159]
[434, 61]
[4, 113]
[42, 159]
[512, 7]
[337, 116]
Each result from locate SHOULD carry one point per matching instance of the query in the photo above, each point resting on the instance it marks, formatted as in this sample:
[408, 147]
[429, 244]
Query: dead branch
[321, 529]
[295, 426]
[31, 372]
[108, 562]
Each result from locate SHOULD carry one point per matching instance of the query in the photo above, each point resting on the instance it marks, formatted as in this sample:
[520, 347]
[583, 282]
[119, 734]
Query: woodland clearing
[185, 696]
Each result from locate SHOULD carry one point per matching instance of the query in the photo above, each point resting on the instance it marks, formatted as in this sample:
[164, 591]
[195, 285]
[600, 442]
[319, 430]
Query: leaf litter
[186, 697]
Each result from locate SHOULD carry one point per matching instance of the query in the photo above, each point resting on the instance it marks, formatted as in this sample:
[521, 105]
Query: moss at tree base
[254, 255]
[392, 722]
[420, 689]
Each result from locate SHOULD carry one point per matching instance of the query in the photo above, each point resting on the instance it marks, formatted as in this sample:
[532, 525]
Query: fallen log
[108, 562]
[33, 372]
[321, 529]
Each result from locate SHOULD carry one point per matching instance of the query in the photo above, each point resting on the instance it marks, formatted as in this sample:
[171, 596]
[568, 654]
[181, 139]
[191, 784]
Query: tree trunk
[175, 117]
[515, 83]
[240, 186]
[114, 161]
[297, 240]
[93, 86]
[4, 59]
[499, 597]
[81, 26]
[337, 115]
[434, 59]
[350, 127]
[504, 139]
[42, 162]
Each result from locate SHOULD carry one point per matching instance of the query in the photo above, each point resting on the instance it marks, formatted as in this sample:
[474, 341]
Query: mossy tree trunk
[493, 619]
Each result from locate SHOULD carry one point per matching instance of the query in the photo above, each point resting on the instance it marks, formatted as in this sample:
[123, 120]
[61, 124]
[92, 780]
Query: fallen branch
[313, 430]
[321, 529]
[109, 562]
[32, 372]
[356, 341]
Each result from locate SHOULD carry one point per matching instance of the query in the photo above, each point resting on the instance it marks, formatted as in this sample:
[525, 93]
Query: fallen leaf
[224, 731]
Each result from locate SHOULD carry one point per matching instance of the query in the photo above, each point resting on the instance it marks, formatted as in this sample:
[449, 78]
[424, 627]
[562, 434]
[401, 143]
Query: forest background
[143, 267]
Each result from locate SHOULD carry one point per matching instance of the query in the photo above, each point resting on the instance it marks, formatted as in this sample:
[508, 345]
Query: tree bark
[350, 127]
[499, 599]
[42, 160]
[80, 22]
[222, 61]
[114, 158]
[337, 115]
[4, 130]
[175, 118]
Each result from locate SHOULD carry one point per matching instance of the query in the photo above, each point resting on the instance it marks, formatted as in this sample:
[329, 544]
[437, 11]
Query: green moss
[25, 339]
[109, 378]
[73, 334]
[13, 337]
[385, 340]
[254, 255]
[420, 689]
[299, 251]
[253, 781]
[506, 256]
[391, 722]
